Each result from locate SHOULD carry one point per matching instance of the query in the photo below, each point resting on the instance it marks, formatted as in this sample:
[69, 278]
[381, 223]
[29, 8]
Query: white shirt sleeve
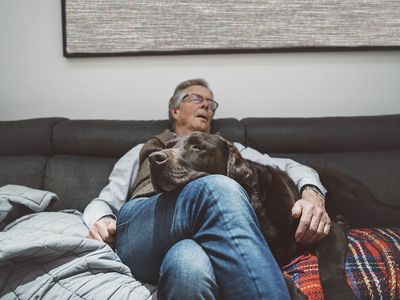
[114, 195]
[300, 174]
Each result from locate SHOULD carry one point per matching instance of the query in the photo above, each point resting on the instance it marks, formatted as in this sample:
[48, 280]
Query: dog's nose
[158, 158]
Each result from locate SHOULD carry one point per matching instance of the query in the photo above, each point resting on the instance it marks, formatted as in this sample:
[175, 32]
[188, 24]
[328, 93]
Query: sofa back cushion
[366, 148]
[33, 136]
[85, 152]
[27, 170]
[76, 179]
[110, 138]
[25, 148]
[321, 135]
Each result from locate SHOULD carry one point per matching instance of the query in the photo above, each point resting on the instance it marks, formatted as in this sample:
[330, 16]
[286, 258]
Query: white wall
[37, 81]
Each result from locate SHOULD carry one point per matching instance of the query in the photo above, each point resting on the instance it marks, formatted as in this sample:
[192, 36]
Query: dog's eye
[172, 143]
[199, 147]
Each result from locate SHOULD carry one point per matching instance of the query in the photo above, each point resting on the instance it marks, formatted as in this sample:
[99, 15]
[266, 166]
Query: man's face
[190, 116]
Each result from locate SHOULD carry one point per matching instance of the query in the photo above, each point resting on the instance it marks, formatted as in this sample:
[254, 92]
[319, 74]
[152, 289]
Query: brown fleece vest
[143, 186]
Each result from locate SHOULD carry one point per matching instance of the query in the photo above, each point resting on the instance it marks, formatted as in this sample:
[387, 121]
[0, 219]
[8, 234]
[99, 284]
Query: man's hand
[314, 222]
[104, 230]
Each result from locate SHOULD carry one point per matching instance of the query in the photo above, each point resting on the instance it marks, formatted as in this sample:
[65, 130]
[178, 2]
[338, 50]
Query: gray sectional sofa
[73, 158]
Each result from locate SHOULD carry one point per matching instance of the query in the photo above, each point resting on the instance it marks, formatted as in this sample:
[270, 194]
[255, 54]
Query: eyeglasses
[197, 99]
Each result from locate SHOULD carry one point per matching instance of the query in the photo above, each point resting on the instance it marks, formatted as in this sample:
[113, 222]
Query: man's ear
[174, 112]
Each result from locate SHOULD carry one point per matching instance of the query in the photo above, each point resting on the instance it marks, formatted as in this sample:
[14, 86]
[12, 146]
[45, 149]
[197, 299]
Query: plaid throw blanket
[372, 266]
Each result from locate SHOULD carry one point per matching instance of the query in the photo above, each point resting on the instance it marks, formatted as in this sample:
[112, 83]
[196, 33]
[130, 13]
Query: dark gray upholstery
[103, 137]
[73, 158]
[25, 170]
[367, 148]
[76, 178]
[112, 138]
[329, 134]
[32, 136]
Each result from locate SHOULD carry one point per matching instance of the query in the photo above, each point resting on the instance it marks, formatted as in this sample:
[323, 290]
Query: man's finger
[99, 231]
[327, 228]
[93, 234]
[108, 238]
[296, 210]
[304, 224]
[311, 235]
[321, 229]
[111, 227]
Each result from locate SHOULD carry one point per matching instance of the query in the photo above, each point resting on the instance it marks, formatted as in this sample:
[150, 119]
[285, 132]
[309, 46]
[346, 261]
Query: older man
[202, 241]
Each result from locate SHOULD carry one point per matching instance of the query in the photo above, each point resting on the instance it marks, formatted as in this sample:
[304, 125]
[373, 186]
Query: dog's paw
[294, 291]
[342, 222]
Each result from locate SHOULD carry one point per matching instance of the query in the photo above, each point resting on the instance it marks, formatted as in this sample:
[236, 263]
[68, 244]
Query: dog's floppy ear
[237, 167]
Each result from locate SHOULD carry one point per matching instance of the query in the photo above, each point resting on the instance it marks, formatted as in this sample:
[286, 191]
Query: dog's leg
[331, 253]
[294, 292]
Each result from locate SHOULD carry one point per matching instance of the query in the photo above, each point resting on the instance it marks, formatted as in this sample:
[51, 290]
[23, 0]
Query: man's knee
[224, 192]
[219, 186]
[187, 271]
[220, 182]
[186, 258]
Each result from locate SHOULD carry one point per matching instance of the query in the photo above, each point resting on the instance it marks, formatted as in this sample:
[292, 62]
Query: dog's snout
[158, 158]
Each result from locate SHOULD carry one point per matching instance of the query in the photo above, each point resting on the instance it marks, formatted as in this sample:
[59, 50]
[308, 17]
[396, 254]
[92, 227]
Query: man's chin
[202, 125]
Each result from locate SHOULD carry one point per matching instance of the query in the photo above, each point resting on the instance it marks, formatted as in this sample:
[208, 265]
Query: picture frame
[128, 27]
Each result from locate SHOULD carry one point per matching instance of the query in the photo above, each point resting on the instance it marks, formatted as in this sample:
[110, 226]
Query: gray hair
[180, 92]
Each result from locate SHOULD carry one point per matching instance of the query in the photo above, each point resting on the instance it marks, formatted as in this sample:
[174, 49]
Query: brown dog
[272, 194]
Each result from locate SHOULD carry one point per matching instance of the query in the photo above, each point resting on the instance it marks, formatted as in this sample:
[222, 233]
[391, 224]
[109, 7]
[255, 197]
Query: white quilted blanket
[46, 256]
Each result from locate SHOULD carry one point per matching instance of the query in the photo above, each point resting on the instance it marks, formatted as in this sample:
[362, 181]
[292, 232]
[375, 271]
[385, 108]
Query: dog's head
[193, 156]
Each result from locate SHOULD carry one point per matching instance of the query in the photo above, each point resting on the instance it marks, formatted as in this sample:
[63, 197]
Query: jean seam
[131, 217]
[226, 224]
[176, 230]
[236, 245]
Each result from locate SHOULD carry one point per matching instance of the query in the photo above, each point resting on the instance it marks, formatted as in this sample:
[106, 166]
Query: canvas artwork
[131, 27]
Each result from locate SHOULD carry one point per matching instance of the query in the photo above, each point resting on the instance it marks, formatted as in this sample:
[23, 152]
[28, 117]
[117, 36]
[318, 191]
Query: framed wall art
[131, 27]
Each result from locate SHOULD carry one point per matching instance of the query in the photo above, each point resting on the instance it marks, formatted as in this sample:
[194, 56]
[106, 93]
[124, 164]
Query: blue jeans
[200, 242]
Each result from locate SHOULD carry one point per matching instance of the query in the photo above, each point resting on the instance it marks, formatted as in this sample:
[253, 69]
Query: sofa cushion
[379, 171]
[328, 134]
[366, 148]
[27, 170]
[31, 136]
[107, 138]
[231, 129]
[76, 180]
[112, 138]
[372, 266]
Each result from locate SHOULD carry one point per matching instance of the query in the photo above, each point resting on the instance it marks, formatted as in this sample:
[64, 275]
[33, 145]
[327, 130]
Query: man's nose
[204, 103]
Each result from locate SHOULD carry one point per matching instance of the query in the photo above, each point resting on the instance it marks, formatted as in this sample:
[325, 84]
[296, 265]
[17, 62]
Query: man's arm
[314, 221]
[300, 174]
[100, 214]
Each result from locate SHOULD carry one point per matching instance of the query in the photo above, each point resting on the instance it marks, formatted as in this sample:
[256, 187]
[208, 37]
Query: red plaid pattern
[372, 266]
